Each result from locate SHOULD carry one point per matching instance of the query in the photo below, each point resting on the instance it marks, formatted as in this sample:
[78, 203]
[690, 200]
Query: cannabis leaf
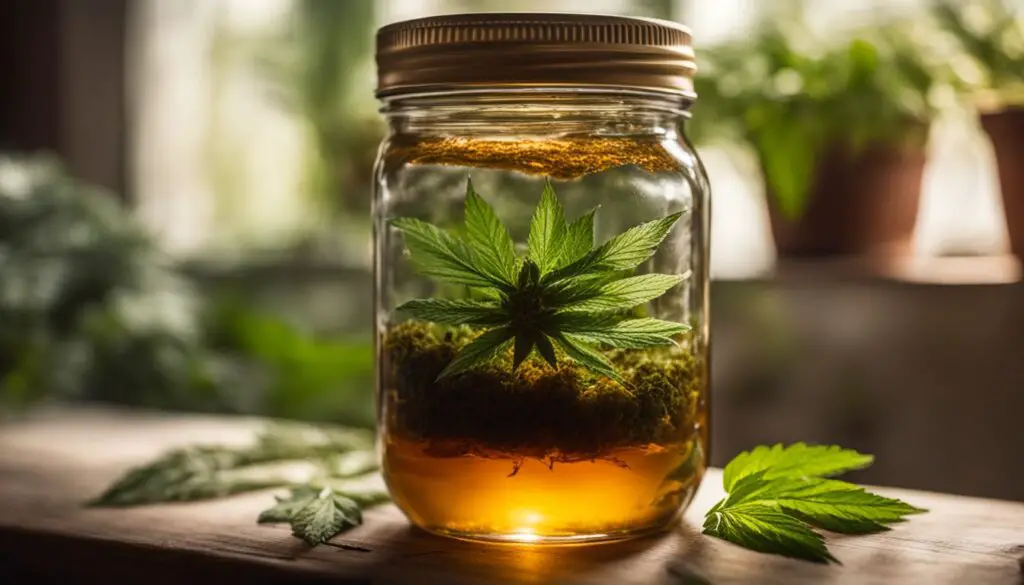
[777, 495]
[489, 238]
[287, 507]
[202, 472]
[547, 230]
[338, 465]
[563, 294]
[778, 461]
[442, 256]
[315, 516]
[763, 529]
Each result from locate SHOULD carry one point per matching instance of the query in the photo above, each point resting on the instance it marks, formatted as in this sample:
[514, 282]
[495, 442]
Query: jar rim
[531, 49]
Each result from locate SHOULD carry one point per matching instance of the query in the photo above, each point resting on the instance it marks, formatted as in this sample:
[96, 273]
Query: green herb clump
[566, 292]
[555, 413]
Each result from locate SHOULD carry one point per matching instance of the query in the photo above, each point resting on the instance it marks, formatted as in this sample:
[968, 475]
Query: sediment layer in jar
[563, 158]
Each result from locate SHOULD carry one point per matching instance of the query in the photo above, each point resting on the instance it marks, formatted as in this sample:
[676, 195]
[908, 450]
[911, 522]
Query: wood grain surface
[50, 464]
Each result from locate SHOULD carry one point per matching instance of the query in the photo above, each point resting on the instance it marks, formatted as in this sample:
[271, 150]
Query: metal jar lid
[522, 50]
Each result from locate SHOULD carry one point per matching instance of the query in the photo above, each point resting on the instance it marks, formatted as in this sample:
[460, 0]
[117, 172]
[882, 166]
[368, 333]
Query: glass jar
[541, 274]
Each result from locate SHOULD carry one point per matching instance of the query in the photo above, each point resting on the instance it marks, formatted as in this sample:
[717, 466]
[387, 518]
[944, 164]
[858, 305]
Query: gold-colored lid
[463, 51]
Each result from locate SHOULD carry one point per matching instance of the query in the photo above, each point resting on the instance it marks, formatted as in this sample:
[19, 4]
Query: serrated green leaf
[830, 504]
[441, 255]
[479, 351]
[626, 293]
[625, 333]
[577, 288]
[336, 455]
[286, 508]
[797, 460]
[522, 348]
[458, 312]
[190, 474]
[547, 230]
[211, 471]
[490, 242]
[299, 497]
[785, 485]
[546, 350]
[325, 516]
[579, 350]
[289, 440]
[765, 529]
[634, 246]
[579, 239]
[625, 251]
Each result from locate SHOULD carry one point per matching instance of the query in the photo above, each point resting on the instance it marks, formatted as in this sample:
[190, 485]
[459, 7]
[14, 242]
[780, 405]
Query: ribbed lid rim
[525, 48]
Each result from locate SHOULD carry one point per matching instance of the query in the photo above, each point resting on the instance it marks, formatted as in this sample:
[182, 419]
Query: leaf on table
[287, 507]
[195, 473]
[289, 440]
[764, 529]
[797, 460]
[837, 506]
[322, 517]
[203, 472]
[351, 464]
[775, 495]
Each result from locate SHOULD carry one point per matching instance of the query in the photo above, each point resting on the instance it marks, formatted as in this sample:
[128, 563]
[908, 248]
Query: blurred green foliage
[791, 95]
[90, 309]
[320, 68]
[300, 376]
[992, 37]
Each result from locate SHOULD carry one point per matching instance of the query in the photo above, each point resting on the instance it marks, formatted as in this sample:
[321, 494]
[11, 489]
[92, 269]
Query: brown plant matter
[563, 413]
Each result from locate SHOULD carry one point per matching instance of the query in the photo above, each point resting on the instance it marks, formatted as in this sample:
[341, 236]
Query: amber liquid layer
[624, 494]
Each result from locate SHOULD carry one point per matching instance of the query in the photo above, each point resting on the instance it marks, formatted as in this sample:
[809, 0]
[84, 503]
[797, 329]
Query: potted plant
[992, 38]
[839, 131]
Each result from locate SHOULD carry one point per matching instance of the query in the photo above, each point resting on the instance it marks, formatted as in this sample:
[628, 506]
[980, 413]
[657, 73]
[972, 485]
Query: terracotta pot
[1006, 130]
[862, 204]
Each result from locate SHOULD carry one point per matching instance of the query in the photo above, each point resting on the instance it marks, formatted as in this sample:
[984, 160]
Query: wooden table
[53, 462]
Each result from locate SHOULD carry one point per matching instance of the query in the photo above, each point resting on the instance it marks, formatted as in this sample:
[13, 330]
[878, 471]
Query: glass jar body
[541, 440]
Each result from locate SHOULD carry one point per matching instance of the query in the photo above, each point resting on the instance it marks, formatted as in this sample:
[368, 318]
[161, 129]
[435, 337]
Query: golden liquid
[479, 497]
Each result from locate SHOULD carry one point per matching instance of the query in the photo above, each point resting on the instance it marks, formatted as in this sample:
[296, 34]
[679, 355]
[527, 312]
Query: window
[224, 160]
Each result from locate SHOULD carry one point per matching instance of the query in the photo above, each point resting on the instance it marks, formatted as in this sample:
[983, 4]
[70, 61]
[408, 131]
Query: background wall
[926, 377]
